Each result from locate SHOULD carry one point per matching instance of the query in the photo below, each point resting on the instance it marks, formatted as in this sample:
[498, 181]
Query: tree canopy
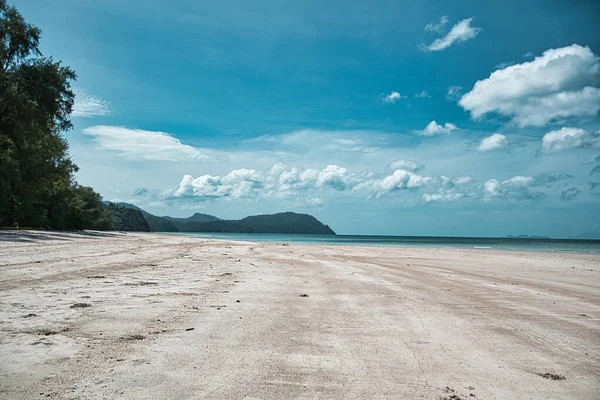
[37, 184]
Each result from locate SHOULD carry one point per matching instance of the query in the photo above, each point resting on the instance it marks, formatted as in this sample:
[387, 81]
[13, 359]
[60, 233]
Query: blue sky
[378, 117]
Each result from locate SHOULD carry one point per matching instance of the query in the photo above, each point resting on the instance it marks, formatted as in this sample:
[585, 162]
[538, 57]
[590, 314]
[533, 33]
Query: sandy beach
[148, 316]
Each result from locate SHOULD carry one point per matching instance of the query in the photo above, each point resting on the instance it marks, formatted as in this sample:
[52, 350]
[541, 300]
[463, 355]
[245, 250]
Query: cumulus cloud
[393, 97]
[433, 27]
[461, 32]
[312, 187]
[143, 145]
[570, 194]
[454, 93]
[422, 94]
[569, 138]
[336, 178]
[280, 181]
[556, 85]
[494, 142]
[433, 128]
[239, 183]
[89, 106]
[400, 179]
[406, 165]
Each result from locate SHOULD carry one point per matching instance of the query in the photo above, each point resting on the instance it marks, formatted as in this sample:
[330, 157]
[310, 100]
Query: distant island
[129, 217]
[588, 236]
[527, 237]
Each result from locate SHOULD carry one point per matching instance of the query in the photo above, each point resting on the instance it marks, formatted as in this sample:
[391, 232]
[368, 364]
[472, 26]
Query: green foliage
[85, 210]
[37, 188]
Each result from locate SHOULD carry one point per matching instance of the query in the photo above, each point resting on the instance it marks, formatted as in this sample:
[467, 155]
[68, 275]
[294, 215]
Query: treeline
[37, 184]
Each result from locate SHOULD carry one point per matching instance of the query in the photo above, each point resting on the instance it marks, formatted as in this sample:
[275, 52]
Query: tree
[37, 187]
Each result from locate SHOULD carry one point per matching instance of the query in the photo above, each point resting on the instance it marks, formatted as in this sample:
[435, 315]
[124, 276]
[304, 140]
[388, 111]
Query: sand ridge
[151, 316]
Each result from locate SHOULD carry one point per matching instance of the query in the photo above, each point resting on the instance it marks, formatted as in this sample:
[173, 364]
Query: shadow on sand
[32, 236]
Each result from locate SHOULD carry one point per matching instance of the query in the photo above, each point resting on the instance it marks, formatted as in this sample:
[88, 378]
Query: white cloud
[143, 145]
[428, 198]
[491, 188]
[335, 177]
[517, 188]
[323, 141]
[432, 27]
[461, 32]
[89, 106]
[433, 128]
[423, 94]
[454, 93]
[400, 179]
[569, 138]
[519, 181]
[393, 97]
[406, 165]
[556, 85]
[494, 142]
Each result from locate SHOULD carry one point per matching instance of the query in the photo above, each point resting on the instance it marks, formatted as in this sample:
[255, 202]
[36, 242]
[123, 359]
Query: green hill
[287, 222]
[127, 219]
[157, 224]
[197, 217]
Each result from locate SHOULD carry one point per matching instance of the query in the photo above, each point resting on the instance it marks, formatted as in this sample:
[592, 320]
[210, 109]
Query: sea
[511, 243]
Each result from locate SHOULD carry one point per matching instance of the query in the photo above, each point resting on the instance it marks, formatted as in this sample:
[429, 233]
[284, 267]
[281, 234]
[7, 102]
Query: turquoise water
[587, 246]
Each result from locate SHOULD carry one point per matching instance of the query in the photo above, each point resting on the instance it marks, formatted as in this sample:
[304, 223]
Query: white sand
[378, 322]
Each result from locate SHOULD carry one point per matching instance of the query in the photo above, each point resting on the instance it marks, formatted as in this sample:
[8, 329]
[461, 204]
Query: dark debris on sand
[553, 377]
[134, 337]
[81, 305]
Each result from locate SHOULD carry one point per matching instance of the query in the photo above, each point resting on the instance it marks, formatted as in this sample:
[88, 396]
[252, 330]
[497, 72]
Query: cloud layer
[556, 85]
[143, 145]
[308, 187]
[89, 106]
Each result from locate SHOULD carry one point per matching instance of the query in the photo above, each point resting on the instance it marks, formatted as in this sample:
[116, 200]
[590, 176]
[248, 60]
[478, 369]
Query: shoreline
[447, 241]
[176, 316]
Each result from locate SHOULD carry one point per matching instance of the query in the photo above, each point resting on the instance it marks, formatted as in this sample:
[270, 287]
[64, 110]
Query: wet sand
[148, 316]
